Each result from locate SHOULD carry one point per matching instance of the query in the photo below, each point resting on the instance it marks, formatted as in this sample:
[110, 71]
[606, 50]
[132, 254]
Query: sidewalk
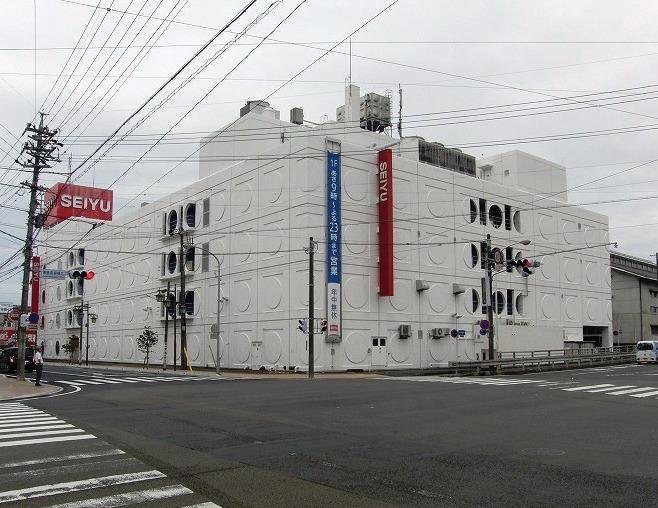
[13, 389]
[232, 373]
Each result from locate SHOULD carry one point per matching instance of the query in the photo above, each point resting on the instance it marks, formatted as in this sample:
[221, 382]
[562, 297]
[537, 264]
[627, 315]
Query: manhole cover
[542, 451]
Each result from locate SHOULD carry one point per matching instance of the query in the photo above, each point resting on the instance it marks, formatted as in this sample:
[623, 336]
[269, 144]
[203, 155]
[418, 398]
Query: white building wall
[263, 210]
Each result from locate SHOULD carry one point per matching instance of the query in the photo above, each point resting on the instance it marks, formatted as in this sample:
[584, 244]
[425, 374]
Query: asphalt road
[573, 438]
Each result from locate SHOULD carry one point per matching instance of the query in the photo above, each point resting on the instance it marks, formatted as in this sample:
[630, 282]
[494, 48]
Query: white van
[646, 351]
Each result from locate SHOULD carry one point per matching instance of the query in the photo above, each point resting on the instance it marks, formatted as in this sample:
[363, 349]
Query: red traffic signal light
[89, 275]
[323, 325]
[82, 274]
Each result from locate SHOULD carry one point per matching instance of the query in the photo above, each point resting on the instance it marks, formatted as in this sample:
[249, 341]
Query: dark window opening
[499, 302]
[510, 302]
[474, 211]
[171, 262]
[81, 257]
[475, 301]
[483, 212]
[173, 222]
[509, 254]
[485, 296]
[164, 223]
[57, 348]
[189, 259]
[189, 303]
[653, 292]
[483, 257]
[206, 212]
[654, 329]
[43, 296]
[205, 257]
[508, 217]
[474, 255]
[190, 215]
[496, 216]
[80, 285]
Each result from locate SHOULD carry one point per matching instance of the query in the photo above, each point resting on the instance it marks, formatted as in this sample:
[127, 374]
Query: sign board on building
[334, 262]
[36, 279]
[14, 314]
[66, 200]
[385, 208]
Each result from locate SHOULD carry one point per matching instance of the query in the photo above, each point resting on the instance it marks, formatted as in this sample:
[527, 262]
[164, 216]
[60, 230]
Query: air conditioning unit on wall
[405, 331]
[437, 333]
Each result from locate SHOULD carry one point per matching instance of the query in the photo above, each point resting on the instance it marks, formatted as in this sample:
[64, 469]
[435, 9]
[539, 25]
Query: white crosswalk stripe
[98, 379]
[88, 474]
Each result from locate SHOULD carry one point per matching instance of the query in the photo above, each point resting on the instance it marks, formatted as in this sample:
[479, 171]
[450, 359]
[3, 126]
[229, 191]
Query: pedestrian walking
[38, 363]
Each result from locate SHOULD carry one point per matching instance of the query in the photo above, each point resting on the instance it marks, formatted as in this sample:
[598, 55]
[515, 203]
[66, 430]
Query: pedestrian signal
[323, 325]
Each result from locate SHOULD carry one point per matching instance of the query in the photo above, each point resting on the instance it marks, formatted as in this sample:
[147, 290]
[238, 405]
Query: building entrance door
[256, 354]
[379, 352]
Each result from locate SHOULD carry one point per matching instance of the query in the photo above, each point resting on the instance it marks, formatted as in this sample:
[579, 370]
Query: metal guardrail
[549, 360]
[551, 353]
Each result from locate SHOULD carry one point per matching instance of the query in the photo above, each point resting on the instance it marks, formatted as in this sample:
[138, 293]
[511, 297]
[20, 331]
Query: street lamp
[219, 297]
[489, 262]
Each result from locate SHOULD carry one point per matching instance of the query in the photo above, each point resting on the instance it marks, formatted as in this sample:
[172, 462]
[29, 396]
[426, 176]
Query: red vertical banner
[385, 199]
[36, 280]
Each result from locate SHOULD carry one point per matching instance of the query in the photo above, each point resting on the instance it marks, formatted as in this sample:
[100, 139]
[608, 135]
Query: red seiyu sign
[69, 200]
[36, 279]
[385, 198]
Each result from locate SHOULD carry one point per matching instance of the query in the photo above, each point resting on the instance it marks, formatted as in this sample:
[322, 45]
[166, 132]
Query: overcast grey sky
[504, 51]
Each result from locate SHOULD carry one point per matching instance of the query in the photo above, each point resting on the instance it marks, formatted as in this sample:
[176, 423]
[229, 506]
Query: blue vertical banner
[333, 248]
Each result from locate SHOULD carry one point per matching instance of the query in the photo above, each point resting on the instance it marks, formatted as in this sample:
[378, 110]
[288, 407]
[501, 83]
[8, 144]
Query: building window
[189, 259]
[483, 212]
[654, 309]
[654, 329]
[483, 250]
[205, 257]
[496, 216]
[498, 302]
[206, 212]
[69, 287]
[520, 300]
[171, 262]
[485, 296]
[189, 303]
[69, 317]
[43, 322]
[58, 321]
[57, 346]
[81, 257]
[80, 286]
[475, 298]
[43, 296]
[190, 215]
[653, 292]
[164, 223]
[510, 302]
[508, 217]
[516, 220]
[71, 259]
[474, 255]
[59, 293]
[474, 211]
[173, 222]
[509, 254]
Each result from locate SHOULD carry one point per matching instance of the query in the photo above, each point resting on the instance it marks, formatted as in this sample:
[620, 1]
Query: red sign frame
[66, 200]
[36, 280]
[385, 205]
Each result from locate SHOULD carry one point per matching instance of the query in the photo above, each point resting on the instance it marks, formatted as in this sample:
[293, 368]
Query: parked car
[9, 359]
[646, 351]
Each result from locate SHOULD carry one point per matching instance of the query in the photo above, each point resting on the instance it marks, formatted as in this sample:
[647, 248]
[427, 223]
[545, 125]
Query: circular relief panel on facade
[401, 239]
[271, 346]
[547, 269]
[355, 238]
[219, 202]
[438, 249]
[546, 227]
[594, 310]
[194, 348]
[103, 312]
[130, 274]
[356, 291]
[472, 301]
[242, 295]
[272, 185]
[572, 308]
[128, 311]
[608, 310]
[439, 205]
[243, 246]
[592, 236]
[355, 183]
[116, 277]
[402, 294]
[128, 242]
[242, 197]
[471, 255]
[400, 349]
[272, 291]
[547, 306]
[115, 312]
[401, 194]
[310, 173]
[93, 346]
[272, 240]
[516, 220]
[440, 348]
[571, 269]
[242, 347]
[356, 347]
[495, 216]
[593, 272]
[102, 347]
[437, 297]
[115, 348]
[129, 348]
[570, 232]
[606, 276]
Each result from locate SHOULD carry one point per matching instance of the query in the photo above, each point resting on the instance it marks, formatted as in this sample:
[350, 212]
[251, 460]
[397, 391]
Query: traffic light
[302, 325]
[528, 267]
[82, 274]
[323, 325]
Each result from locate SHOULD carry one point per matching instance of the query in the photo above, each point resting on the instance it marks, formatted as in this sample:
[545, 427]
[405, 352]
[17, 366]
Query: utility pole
[311, 309]
[39, 152]
[81, 315]
[166, 330]
[182, 306]
[175, 312]
[489, 295]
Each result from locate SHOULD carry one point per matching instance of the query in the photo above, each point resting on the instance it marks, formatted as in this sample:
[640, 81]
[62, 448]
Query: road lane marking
[87, 382]
[610, 388]
[78, 485]
[8, 422]
[24, 442]
[649, 394]
[72, 383]
[106, 381]
[44, 433]
[203, 505]
[633, 390]
[579, 388]
[64, 458]
[129, 498]
[141, 379]
[39, 427]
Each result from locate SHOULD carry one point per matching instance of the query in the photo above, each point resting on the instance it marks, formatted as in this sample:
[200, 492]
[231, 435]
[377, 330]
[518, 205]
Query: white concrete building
[262, 193]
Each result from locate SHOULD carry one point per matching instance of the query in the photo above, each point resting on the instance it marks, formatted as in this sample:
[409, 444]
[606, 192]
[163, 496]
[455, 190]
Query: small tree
[146, 341]
[71, 346]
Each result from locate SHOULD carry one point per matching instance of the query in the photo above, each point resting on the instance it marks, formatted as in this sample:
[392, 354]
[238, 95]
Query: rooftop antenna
[350, 76]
